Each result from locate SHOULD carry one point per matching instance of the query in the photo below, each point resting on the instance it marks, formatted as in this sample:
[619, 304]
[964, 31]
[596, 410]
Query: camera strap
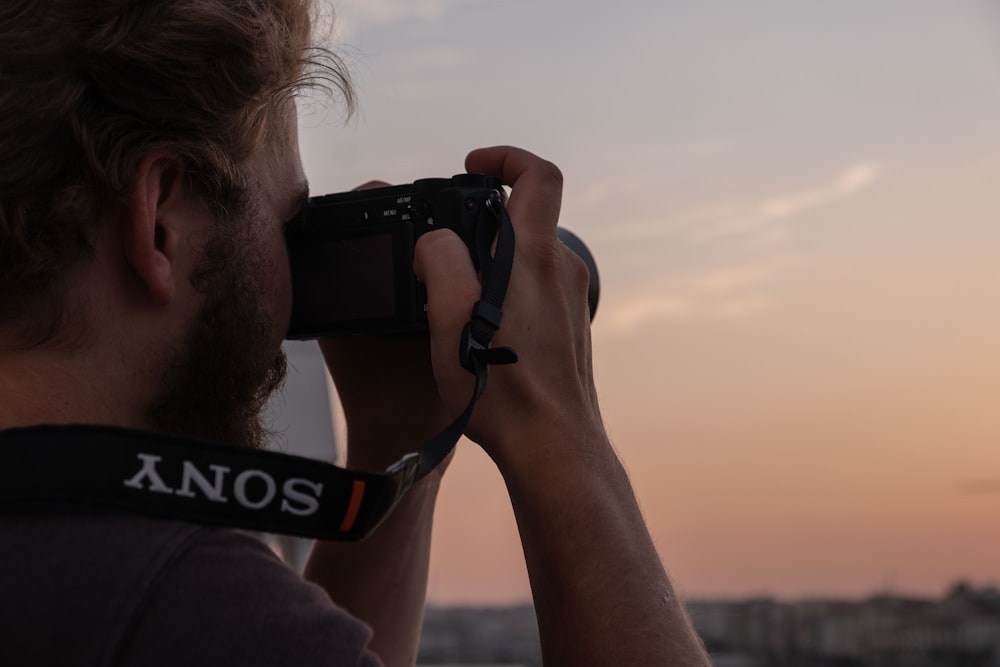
[475, 352]
[211, 483]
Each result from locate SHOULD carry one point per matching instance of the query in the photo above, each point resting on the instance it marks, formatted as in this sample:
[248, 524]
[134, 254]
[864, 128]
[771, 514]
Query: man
[150, 164]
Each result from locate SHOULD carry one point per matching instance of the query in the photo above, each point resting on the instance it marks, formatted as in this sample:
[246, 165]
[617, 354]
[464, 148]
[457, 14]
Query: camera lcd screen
[344, 280]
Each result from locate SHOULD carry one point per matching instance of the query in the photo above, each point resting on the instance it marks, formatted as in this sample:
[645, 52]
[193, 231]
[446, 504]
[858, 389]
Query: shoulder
[222, 597]
[89, 586]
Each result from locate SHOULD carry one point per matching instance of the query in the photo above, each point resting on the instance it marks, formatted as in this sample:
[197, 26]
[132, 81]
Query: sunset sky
[795, 208]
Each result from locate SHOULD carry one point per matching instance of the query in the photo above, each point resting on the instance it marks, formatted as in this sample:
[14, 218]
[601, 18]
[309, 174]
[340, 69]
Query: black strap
[196, 481]
[475, 353]
[210, 483]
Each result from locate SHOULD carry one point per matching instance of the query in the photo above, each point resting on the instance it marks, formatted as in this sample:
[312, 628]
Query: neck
[49, 385]
[104, 366]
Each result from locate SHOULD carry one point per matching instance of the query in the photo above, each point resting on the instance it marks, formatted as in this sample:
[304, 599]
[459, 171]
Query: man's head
[91, 95]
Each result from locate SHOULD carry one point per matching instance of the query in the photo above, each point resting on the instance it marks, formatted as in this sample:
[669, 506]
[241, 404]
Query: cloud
[352, 17]
[731, 294]
[735, 292]
[724, 281]
[435, 59]
[771, 213]
[766, 222]
[857, 178]
[631, 316]
[384, 11]
[742, 307]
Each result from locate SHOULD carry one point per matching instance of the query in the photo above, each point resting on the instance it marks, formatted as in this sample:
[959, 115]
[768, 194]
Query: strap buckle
[475, 352]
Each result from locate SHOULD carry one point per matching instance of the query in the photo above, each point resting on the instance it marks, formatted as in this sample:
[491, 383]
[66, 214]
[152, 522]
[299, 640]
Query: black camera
[351, 253]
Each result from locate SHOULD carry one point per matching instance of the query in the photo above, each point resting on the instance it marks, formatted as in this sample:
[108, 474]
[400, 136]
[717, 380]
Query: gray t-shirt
[84, 586]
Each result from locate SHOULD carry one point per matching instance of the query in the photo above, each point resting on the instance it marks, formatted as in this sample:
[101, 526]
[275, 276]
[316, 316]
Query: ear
[151, 226]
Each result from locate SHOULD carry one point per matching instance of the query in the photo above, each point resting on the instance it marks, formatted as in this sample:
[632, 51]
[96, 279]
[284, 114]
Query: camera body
[351, 253]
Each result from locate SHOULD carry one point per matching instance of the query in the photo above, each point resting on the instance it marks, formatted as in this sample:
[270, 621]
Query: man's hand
[549, 393]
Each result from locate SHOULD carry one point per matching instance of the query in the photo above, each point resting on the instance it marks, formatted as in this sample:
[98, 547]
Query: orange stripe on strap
[357, 495]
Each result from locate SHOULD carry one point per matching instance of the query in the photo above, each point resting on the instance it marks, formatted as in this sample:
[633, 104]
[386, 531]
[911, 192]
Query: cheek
[283, 285]
[278, 284]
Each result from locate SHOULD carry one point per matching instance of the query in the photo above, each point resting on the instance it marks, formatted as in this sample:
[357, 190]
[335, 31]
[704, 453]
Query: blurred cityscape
[959, 629]
[480, 636]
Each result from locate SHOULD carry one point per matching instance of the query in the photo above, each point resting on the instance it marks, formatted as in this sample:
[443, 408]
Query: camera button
[420, 208]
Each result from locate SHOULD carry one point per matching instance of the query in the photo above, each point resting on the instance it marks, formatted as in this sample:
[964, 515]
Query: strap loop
[488, 314]
[476, 355]
[475, 351]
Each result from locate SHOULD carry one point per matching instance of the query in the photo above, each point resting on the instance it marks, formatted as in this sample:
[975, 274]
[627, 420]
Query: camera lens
[573, 242]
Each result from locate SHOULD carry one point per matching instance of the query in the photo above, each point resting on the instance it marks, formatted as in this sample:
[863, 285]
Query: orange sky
[820, 446]
[796, 212]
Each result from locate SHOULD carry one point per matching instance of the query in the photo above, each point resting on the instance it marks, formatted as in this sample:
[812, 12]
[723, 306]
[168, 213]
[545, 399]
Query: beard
[216, 383]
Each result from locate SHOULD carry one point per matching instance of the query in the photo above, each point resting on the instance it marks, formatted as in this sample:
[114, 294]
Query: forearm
[383, 579]
[601, 594]
[391, 408]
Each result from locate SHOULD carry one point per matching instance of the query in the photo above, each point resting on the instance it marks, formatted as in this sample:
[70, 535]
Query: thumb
[442, 263]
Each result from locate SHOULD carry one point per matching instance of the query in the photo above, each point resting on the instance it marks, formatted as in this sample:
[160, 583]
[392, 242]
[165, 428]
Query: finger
[443, 264]
[371, 185]
[533, 180]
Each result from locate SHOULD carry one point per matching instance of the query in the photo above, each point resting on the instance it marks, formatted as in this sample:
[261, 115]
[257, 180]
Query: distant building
[961, 629]
[478, 636]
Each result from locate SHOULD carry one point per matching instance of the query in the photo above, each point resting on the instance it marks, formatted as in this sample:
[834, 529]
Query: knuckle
[551, 174]
[579, 274]
[371, 185]
[439, 240]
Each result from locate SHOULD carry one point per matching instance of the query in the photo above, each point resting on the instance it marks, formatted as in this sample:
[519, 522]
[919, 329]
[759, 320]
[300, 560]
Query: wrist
[375, 442]
[571, 454]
